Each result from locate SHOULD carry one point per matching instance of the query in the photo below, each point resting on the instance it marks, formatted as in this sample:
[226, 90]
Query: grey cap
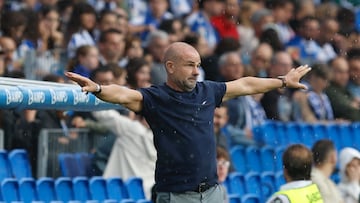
[259, 14]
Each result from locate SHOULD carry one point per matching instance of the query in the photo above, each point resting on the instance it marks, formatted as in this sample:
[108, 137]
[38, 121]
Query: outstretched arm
[253, 85]
[129, 98]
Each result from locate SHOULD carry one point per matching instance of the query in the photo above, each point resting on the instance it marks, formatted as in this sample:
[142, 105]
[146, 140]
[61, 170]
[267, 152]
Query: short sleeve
[219, 89]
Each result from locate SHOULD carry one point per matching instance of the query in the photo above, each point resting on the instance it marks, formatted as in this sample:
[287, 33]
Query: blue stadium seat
[279, 179]
[45, 188]
[237, 184]
[333, 132]
[97, 187]
[5, 168]
[267, 155]
[143, 201]
[84, 162]
[335, 177]
[307, 134]
[10, 190]
[20, 164]
[135, 188]
[116, 189]
[253, 183]
[237, 154]
[64, 189]
[281, 134]
[81, 189]
[266, 134]
[127, 201]
[110, 201]
[233, 198]
[27, 190]
[293, 133]
[356, 132]
[268, 184]
[320, 131]
[250, 198]
[253, 162]
[69, 166]
[279, 151]
[346, 135]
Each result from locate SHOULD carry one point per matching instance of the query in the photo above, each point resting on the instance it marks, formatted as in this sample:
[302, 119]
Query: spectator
[260, 61]
[278, 103]
[155, 14]
[80, 28]
[108, 20]
[50, 35]
[120, 74]
[133, 48]
[329, 35]
[12, 62]
[199, 21]
[325, 159]
[304, 43]
[225, 23]
[221, 118]
[210, 63]
[349, 186]
[223, 165]
[297, 162]
[199, 43]
[315, 104]
[111, 47]
[138, 71]
[282, 10]
[122, 21]
[259, 20]
[176, 29]
[344, 104]
[85, 60]
[353, 58]
[241, 110]
[13, 24]
[156, 44]
[270, 36]
[245, 27]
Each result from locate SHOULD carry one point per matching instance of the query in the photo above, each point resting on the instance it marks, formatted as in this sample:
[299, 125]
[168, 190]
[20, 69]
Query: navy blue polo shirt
[182, 124]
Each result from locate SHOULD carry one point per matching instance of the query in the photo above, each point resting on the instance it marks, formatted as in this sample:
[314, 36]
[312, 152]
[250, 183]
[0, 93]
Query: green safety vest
[308, 194]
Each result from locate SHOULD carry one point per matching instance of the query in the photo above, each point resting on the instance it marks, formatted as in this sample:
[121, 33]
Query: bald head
[178, 50]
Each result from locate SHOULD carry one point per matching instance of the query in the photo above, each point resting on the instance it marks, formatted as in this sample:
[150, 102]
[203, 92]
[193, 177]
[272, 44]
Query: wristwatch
[283, 80]
[98, 89]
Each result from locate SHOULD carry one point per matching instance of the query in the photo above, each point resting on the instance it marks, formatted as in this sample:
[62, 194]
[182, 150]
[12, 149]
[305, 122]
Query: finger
[302, 68]
[303, 72]
[302, 86]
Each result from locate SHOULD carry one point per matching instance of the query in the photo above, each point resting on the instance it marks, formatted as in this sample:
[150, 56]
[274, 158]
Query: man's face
[282, 65]
[233, 68]
[104, 78]
[113, 48]
[220, 118]
[354, 70]
[186, 70]
[340, 72]
[157, 48]
[311, 30]
[108, 21]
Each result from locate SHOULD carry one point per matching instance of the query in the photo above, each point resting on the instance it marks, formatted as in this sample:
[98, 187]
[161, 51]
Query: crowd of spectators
[235, 38]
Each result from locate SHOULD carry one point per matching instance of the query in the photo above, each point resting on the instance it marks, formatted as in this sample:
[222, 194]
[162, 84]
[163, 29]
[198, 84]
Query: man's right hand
[86, 84]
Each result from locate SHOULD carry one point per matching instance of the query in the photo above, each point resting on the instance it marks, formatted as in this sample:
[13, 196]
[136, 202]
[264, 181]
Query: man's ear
[169, 65]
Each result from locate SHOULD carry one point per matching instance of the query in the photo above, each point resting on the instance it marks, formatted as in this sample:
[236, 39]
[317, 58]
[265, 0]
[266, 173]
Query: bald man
[180, 113]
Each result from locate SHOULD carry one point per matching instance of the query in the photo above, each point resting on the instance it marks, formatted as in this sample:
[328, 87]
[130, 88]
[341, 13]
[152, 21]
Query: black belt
[202, 187]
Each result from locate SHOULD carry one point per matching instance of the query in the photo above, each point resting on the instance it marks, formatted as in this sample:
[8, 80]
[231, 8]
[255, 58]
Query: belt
[202, 187]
